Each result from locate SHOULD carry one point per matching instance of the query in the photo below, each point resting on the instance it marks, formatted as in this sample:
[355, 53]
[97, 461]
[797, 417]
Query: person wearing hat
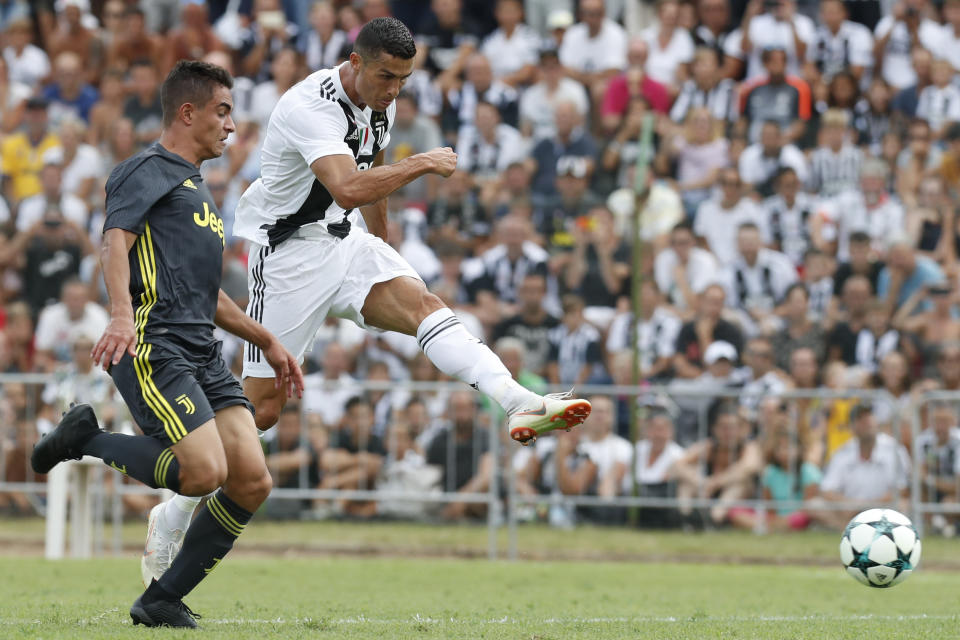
[51, 195]
[872, 469]
[22, 153]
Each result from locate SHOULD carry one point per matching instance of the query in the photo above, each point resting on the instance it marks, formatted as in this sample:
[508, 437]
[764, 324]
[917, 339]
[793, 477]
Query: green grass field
[261, 592]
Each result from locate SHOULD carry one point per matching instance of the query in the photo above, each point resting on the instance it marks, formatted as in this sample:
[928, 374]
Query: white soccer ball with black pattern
[880, 548]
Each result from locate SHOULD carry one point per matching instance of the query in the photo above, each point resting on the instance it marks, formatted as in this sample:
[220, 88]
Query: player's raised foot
[163, 545]
[153, 611]
[64, 442]
[555, 411]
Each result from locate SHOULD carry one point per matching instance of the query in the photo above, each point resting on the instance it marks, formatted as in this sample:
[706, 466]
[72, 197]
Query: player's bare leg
[404, 305]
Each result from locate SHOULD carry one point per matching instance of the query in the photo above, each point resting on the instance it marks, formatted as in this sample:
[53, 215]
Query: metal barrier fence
[430, 450]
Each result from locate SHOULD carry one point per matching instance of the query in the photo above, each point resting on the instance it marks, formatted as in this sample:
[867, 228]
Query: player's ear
[186, 113]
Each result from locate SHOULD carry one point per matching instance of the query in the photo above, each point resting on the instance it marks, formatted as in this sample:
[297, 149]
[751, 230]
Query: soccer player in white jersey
[317, 220]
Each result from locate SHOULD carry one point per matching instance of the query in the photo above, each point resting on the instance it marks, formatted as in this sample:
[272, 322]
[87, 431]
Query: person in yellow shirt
[21, 154]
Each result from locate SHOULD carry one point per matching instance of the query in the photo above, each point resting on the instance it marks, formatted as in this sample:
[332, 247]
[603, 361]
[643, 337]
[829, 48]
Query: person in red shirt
[630, 84]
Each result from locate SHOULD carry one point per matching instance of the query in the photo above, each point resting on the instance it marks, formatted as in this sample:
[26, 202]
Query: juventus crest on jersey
[312, 120]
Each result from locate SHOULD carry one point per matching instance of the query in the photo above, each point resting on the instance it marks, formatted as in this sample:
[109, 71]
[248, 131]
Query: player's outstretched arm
[352, 188]
[231, 318]
[120, 335]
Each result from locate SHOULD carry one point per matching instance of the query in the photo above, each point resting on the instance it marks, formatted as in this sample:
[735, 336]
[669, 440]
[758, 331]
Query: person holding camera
[897, 35]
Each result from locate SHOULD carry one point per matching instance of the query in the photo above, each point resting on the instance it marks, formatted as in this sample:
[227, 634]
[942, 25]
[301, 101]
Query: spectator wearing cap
[772, 26]
[839, 44]
[835, 163]
[760, 162]
[143, 107]
[571, 140]
[632, 84]
[74, 314]
[706, 327]
[776, 96]
[576, 354]
[531, 324]
[594, 50]
[557, 217]
[905, 273]
[939, 102]
[513, 46]
[870, 470]
[69, 95]
[670, 47]
[538, 102]
[904, 30]
[51, 194]
[870, 209]
[322, 43]
[22, 153]
[707, 88]
[683, 270]
[654, 334]
[478, 86]
[26, 62]
[757, 280]
[718, 219]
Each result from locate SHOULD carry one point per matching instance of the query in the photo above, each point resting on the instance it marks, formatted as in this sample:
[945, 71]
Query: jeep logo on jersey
[379, 130]
[210, 220]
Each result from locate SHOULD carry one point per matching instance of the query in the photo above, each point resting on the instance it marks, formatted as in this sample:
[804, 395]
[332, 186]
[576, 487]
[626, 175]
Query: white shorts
[297, 284]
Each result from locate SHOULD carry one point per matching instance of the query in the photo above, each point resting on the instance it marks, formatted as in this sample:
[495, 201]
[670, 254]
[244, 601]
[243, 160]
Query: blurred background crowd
[798, 232]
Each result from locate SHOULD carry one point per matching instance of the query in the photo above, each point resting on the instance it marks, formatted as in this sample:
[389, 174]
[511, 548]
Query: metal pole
[640, 191]
[494, 492]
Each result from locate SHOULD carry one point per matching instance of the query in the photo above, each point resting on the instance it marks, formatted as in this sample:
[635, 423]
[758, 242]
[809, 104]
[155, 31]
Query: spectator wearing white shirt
[488, 147]
[683, 270]
[898, 34]
[58, 323]
[656, 453]
[322, 43]
[51, 182]
[538, 102]
[839, 44]
[82, 166]
[595, 49]
[604, 457]
[950, 43]
[326, 393]
[26, 62]
[788, 213]
[870, 209]
[284, 73]
[654, 334]
[512, 47]
[718, 219]
[871, 469]
[774, 25]
[670, 47]
[835, 164]
[939, 103]
[757, 279]
[761, 162]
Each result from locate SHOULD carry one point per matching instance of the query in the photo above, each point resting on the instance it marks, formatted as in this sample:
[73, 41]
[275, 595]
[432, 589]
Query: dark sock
[140, 457]
[209, 538]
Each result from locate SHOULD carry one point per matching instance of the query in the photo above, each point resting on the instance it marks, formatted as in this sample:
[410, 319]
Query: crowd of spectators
[797, 232]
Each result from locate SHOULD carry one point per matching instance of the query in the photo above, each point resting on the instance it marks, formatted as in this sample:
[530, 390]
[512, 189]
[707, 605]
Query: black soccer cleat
[162, 613]
[64, 442]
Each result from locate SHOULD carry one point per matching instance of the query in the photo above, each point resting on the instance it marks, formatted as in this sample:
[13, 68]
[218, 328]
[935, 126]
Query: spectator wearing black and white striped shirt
[835, 164]
[706, 89]
[939, 103]
[655, 334]
[576, 356]
[788, 212]
[839, 44]
[761, 162]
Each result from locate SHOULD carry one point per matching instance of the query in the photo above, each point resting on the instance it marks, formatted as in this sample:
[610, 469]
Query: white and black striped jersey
[789, 224]
[851, 46]
[762, 285]
[656, 337]
[834, 172]
[721, 101]
[573, 350]
[312, 120]
[939, 105]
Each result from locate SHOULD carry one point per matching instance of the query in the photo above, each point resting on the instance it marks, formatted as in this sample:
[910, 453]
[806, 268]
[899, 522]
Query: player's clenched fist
[443, 161]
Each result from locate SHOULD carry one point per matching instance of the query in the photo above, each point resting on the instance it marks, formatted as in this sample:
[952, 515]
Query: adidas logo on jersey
[189, 184]
[353, 135]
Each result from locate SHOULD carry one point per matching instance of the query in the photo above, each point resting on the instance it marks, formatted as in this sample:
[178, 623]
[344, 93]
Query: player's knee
[260, 486]
[250, 487]
[268, 411]
[203, 478]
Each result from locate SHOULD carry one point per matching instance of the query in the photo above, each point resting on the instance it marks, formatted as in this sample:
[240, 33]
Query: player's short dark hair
[385, 35]
[191, 81]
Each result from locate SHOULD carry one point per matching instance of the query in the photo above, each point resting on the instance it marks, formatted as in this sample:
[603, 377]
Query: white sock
[178, 512]
[458, 354]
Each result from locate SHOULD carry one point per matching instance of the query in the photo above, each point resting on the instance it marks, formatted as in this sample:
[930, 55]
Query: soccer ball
[880, 548]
